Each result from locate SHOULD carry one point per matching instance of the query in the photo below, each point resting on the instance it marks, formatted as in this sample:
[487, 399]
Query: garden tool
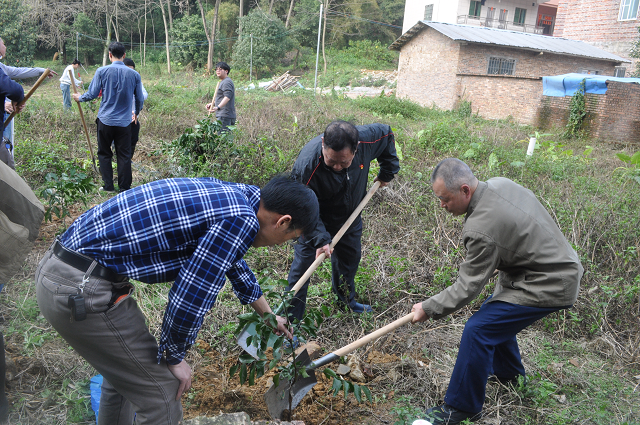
[213, 101]
[84, 124]
[246, 332]
[44, 75]
[277, 398]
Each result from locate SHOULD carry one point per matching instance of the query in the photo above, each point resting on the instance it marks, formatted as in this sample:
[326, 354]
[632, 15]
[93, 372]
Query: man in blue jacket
[119, 84]
[335, 165]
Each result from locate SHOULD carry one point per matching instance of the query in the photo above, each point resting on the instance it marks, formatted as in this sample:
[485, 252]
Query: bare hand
[208, 106]
[17, 106]
[326, 250]
[76, 97]
[182, 372]
[283, 328]
[8, 107]
[134, 118]
[382, 183]
[418, 314]
[51, 74]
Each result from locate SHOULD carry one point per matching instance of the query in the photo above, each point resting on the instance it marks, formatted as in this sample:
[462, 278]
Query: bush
[18, 33]
[368, 54]
[188, 35]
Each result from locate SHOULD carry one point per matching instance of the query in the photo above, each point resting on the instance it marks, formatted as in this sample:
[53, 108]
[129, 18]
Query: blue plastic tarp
[95, 387]
[568, 84]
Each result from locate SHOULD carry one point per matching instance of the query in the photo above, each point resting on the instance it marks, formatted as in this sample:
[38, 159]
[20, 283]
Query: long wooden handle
[337, 237]
[84, 123]
[44, 75]
[374, 335]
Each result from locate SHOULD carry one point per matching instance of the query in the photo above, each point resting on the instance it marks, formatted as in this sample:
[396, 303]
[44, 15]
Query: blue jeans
[489, 346]
[8, 130]
[66, 95]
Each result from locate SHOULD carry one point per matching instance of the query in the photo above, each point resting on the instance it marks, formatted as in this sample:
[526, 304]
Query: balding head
[453, 183]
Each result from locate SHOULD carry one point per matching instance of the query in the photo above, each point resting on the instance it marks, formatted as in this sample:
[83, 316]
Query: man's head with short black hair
[129, 62]
[117, 50]
[341, 134]
[223, 65]
[285, 196]
[76, 62]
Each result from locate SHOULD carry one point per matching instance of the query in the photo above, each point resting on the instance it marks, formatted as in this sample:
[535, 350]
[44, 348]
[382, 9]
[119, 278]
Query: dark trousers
[344, 265]
[121, 138]
[489, 346]
[135, 136]
[226, 122]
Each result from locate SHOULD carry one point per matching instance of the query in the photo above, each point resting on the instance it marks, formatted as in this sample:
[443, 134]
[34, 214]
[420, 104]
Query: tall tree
[210, 33]
[166, 35]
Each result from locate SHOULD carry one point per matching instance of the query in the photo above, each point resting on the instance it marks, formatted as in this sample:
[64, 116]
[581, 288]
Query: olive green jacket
[508, 229]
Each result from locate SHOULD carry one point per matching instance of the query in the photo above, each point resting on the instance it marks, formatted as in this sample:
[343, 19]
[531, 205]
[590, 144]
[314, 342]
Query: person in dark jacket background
[335, 165]
[13, 91]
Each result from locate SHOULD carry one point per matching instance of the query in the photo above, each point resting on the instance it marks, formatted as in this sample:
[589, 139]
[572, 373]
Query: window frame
[520, 16]
[425, 12]
[501, 64]
[619, 69]
[627, 12]
[476, 6]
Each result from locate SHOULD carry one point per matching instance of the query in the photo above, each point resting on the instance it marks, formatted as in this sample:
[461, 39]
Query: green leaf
[276, 379]
[346, 386]
[337, 385]
[246, 358]
[247, 316]
[624, 157]
[635, 158]
[252, 375]
[367, 393]
[356, 393]
[233, 370]
[330, 373]
[243, 374]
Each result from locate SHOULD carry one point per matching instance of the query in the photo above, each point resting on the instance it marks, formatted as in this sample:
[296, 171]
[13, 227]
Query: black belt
[83, 263]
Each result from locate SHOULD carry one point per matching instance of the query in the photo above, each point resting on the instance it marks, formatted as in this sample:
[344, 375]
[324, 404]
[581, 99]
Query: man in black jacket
[13, 91]
[335, 165]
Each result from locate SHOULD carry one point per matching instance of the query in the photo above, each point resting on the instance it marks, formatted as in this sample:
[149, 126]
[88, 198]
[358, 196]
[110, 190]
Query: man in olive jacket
[506, 228]
[335, 165]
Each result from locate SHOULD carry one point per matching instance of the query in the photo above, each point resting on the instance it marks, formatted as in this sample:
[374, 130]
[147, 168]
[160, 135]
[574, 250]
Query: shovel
[84, 124]
[246, 332]
[277, 398]
[44, 75]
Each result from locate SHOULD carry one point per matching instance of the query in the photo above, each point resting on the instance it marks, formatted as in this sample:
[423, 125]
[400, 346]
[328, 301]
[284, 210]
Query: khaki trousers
[115, 341]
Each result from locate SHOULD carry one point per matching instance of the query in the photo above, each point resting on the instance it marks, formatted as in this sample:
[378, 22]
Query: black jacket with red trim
[340, 193]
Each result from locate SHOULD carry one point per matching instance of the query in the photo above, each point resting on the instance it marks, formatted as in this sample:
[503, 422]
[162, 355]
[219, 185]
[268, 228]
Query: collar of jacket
[475, 198]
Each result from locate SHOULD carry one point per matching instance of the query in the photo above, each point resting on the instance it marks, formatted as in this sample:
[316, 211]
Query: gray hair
[454, 173]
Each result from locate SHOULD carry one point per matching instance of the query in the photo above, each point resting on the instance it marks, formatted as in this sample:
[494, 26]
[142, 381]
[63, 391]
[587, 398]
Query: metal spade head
[277, 398]
[250, 348]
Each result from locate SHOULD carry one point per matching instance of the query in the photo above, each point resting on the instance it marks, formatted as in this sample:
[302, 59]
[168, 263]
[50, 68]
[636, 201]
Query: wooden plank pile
[283, 82]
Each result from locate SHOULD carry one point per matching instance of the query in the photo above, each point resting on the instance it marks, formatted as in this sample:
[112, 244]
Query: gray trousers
[115, 341]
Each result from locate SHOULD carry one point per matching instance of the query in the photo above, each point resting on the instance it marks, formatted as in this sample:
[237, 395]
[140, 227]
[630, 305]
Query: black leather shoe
[448, 415]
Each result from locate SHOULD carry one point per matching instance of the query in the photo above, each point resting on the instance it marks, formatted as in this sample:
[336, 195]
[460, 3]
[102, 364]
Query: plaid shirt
[193, 231]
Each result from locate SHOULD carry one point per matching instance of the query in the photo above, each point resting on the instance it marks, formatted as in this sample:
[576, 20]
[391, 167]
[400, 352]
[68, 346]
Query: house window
[504, 15]
[428, 12]
[620, 71]
[475, 8]
[519, 16]
[628, 10]
[589, 71]
[501, 66]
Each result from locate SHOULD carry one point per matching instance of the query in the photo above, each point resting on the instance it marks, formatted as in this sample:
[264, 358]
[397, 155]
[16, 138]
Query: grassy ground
[583, 364]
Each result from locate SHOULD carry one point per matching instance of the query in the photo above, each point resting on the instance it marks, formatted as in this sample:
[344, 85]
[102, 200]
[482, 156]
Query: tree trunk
[166, 36]
[144, 56]
[286, 24]
[240, 20]
[210, 34]
[270, 6]
[170, 15]
[139, 40]
[324, 31]
[105, 55]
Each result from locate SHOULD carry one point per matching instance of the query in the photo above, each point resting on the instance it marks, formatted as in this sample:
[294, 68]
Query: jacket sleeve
[138, 95]
[302, 170]
[94, 87]
[475, 271]
[384, 150]
[10, 89]
[19, 73]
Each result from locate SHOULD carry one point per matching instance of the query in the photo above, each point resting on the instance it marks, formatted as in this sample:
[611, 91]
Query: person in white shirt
[65, 83]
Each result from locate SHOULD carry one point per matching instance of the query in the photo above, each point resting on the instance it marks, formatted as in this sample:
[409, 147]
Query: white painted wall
[448, 10]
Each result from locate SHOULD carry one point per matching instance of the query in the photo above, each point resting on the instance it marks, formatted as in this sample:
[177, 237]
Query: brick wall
[427, 69]
[596, 22]
[613, 116]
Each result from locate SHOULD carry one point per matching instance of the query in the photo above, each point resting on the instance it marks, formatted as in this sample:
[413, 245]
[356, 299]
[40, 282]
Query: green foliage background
[18, 33]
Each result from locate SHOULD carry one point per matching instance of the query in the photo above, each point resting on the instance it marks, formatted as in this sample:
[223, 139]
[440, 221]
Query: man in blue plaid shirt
[190, 231]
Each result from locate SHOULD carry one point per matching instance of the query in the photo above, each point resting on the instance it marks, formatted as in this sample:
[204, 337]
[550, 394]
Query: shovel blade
[277, 398]
[250, 348]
